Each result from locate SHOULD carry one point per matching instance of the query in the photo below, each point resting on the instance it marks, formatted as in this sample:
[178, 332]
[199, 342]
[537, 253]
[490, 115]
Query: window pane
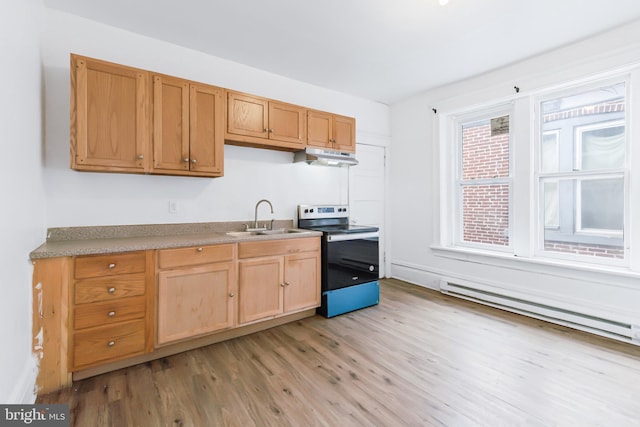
[485, 150]
[589, 215]
[551, 205]
[549, 157]
[590, 129]
[602, 148]
[486, 214]
[602, 204]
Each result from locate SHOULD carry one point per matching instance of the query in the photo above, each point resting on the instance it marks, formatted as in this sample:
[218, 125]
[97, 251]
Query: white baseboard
[416, 275]
[24, 391]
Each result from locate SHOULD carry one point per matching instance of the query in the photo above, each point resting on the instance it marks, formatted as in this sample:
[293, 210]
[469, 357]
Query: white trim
[621, 277]
[24, 391]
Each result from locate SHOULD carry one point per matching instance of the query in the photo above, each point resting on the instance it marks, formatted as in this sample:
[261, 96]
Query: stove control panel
[322, 211]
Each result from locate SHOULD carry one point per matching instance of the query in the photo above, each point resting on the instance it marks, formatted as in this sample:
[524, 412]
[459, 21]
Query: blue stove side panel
[348, 299]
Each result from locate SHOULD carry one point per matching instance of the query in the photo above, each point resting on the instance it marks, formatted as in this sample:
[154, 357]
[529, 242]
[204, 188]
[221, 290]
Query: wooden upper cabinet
[170, 123]
[331, 131]
[261, 122]
[206, 116]
[188, 135]
[109, 117]
[247, 115]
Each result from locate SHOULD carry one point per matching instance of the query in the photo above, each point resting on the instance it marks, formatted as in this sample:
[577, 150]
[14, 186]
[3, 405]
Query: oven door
[349, 259]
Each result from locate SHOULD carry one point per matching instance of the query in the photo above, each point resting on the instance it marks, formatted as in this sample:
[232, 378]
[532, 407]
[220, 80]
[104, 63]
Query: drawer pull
[111, 290]
[231, 295]
[282, 285]
[111, 343]
[112, 266]
[199, 249]
[112, 314]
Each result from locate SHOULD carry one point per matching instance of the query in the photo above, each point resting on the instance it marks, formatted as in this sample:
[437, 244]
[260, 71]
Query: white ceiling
[382, 50]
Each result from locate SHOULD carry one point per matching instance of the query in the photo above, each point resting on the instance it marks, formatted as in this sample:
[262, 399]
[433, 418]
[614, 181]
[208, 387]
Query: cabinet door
[320, 132]
[109, 117]
[344, 134]
[302, 281]
[207, 134]
[260, 288]
[170, 123]
[195, 301]
[247, 115]
[287, 123]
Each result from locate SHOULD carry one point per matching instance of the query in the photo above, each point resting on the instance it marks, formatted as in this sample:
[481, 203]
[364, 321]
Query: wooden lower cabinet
[97, 313]
[260, 288]
[196, 292]
[302, 281]
[110, 308]
[270, 286]
[195, 301]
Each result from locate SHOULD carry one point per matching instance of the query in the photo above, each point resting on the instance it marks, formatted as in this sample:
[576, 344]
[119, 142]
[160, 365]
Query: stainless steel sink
[265, 232]
[282, 231]
[241, 233]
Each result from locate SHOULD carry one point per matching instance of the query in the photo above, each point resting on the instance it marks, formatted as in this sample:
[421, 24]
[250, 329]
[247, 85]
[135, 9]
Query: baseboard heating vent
[606, 327]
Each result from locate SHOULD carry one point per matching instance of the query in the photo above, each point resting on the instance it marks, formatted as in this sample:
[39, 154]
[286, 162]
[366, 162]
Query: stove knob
[311, 210]
[306, 211]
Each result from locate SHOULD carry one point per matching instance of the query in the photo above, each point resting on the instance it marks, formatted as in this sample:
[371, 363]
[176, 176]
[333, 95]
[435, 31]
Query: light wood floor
[417, 359]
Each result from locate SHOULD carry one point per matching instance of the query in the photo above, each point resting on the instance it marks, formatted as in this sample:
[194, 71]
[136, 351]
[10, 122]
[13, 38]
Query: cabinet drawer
[169, 258]
[107, 312]
[109, 265]
[108, 343]
[109, 288]
[277, 247]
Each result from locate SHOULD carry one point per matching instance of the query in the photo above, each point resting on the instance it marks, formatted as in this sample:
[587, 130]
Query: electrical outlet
[173, 206]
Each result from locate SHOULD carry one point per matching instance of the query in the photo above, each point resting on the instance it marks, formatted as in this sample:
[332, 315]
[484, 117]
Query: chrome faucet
[255, 221]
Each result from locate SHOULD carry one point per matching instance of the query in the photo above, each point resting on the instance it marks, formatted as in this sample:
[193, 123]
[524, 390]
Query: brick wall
[485, 208]
[604, 251]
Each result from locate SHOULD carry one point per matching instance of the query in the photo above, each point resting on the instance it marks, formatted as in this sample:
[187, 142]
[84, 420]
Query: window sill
[617, 276]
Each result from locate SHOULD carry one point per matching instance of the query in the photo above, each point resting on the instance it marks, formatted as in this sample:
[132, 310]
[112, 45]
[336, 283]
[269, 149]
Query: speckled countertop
[70, 241]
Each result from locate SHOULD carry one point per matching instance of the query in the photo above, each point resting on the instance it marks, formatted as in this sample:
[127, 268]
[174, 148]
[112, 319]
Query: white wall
[21, 192]
[416, 186]
[80, 198]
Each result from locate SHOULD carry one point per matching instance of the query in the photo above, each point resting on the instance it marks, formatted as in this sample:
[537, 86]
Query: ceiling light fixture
[443, 2]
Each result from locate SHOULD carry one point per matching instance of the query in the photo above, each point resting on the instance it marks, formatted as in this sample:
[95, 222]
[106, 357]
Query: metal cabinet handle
[199, 249]
[111, 343]
[194, 161]
[186, 159]
[112, 266]
[140, 156]
[112, 314]
[282, 285]
[287, 283]
[111, 290]
[231, 295]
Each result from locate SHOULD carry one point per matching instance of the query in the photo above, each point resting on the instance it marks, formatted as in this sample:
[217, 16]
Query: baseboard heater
[581, 321]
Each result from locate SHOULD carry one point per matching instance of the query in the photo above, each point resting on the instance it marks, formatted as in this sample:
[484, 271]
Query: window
[581, 172]
[484, 180]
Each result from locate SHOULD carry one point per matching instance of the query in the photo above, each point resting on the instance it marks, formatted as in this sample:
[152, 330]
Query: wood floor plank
[419, 358]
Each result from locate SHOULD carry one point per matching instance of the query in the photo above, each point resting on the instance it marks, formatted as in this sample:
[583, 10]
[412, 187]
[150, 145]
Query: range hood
[319, 156]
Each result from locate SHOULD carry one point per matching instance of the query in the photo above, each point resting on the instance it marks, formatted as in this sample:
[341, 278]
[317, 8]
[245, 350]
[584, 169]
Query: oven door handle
[351, 236]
